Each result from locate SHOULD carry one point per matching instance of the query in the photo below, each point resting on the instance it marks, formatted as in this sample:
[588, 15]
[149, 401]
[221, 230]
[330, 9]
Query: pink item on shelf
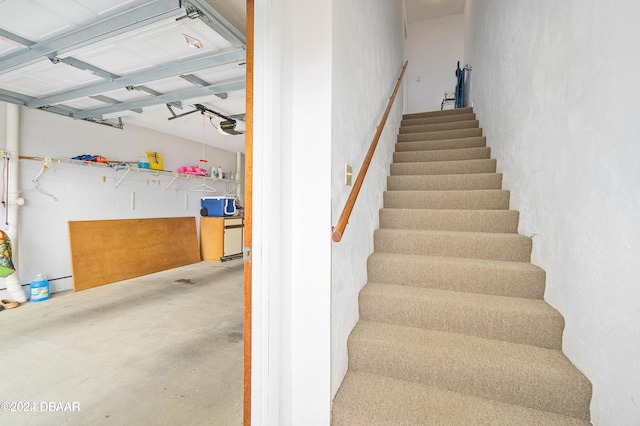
[192, 170]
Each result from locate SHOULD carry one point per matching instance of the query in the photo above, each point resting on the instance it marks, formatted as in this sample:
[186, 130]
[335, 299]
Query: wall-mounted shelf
[181, 179]
[127, 169]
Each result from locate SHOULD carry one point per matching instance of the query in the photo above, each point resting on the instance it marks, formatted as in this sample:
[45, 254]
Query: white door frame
[291, 253]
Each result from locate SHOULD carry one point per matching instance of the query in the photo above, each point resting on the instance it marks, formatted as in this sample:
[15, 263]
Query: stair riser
[431, 114]
[503, 221]
[444, 182]
[443, 134]
[427, 361]
[464, 200]
[442, 155]
[444, 167]
[477, 142]
[436, 120]
[472, 277]
[506, 247]
[455, 125]
[537, 329]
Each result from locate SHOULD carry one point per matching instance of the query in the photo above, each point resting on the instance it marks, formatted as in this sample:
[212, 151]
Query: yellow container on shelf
[155, 160]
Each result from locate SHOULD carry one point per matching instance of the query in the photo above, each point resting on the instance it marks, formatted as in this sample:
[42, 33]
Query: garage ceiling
[119, 62]
[115, 62]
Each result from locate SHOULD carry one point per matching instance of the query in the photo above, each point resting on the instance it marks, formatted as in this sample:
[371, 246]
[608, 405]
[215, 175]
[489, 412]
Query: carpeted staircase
[453, 327]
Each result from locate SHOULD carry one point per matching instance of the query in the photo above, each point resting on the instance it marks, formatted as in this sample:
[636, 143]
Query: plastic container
[218, 206]
[155, 160]
[143, 162]
[39, 289]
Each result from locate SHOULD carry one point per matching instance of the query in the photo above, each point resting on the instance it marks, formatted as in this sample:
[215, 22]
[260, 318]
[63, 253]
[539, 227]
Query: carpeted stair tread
[517, 320]
[514, 279]
[474, 245]
[505, 221]
[483, 199]
[518, 374]
[453, 326]
[444, 182]
[430, 114]
[436, 127]
[487, 165]
[434, 120]
[371, 399]
[442, 155]
[476, 142]
[441, 134]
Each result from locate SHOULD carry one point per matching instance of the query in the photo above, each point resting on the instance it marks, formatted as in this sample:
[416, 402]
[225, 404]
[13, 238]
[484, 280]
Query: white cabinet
[233, 235]
[221, 238]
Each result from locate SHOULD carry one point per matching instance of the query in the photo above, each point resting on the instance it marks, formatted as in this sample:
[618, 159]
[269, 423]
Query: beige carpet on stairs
[453, 327]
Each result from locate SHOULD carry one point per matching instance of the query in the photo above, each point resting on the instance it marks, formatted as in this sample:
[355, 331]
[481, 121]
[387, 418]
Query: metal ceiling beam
[151, 11]
[76, 63]
[67, 111]
[81, 65]
[200, 82]
[118, 125]
[111, 101]
[143, 77]
[216, 21]
[14, 98]
[145, 89]
[73, 62]
[158, 100]
[194, 80]
[15, 38]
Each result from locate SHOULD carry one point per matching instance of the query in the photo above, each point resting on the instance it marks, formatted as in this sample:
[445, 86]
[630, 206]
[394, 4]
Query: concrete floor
[161, 349]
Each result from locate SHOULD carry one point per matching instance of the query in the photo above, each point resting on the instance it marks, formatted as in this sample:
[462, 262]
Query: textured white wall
[81, 192]
[367, 60]
[556, 90]
[434, 48]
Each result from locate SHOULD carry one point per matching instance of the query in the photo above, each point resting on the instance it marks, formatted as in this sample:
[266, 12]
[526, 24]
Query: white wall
[434, 48]
[291, 266]
[367, 60]
[556, 90]
[89, 193]
[324, 70]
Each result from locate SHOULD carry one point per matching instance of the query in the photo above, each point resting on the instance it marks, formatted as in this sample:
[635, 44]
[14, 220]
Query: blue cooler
[218, 206]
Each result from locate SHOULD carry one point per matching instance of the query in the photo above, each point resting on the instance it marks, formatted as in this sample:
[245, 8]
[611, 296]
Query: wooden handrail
[351, 201]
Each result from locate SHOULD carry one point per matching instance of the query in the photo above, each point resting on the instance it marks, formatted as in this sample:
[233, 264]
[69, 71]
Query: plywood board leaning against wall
[106, 251]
